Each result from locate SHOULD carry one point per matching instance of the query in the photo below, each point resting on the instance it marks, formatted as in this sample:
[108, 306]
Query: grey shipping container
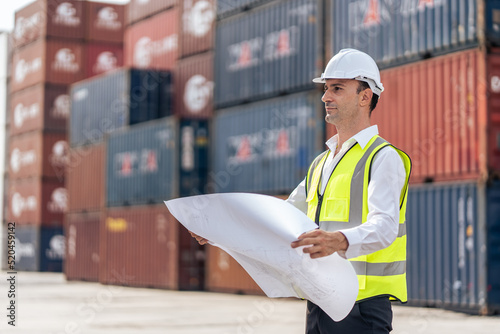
[157, 161]
[272, 50]
[39, 248]
[230, 7]
[396, 32]
[113, 100]
[266, 146]
[453, 253]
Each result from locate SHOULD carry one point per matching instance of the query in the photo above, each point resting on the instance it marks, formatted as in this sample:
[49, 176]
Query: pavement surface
[47, 303]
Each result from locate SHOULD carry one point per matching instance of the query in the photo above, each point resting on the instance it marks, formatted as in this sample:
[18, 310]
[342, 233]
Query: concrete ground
[48, 304]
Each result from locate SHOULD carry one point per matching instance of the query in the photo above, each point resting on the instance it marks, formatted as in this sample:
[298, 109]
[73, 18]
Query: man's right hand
[201, 240]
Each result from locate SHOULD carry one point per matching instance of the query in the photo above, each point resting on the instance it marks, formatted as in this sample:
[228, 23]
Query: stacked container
[267, 123]
[439, 106]
[56, 43]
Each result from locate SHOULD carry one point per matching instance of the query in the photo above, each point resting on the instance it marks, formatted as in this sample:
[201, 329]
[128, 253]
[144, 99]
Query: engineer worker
[356, 193]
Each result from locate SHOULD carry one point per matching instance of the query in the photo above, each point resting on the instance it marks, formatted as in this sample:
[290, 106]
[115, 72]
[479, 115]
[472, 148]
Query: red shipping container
[41, 107]
[50, 61]
[140, 9]
[153, 43]
[139, 247]
[436, 111]
[102, 58]
[36, 201]
[38, 154]
[194, 82]
[53, 18]
[197, 26]
[85, 178]
[81, 261]
[105, 22]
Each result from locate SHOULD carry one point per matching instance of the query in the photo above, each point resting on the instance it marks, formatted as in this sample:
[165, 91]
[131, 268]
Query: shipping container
[40, 107]
[197, 26]
[85, 178]
[38, 154]
[191, 262]
[116, 99]
[273, 50]
[81, 260]
[267, 146]
[452, 232]
[51, 61]
[105, 22]
[37, 202]
[194, 82]
[157, 161]
[4, 252]
[442, 112]
[140, 9]
[139, 247]
[39, 248]
[102, 58]
[228, 8]
[397, 32]
[153, 43]
[4, 79]
[49, 18]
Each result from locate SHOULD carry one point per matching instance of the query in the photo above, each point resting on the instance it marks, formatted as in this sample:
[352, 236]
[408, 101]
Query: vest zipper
[318, 209]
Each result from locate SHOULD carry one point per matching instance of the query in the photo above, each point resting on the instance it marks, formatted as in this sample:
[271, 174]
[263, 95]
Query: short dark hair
[362, 85]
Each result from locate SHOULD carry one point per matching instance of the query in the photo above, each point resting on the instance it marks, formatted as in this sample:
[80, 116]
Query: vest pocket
[336, 209]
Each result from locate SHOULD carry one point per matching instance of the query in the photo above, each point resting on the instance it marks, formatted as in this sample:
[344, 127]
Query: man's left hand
[322, 243]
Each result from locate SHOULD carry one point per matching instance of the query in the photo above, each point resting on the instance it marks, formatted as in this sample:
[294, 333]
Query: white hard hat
[353, 64]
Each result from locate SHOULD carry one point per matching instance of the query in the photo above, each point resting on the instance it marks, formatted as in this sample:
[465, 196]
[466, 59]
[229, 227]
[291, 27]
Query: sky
[9, 7]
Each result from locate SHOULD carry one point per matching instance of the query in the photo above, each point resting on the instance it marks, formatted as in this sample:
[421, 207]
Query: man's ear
[365, 97]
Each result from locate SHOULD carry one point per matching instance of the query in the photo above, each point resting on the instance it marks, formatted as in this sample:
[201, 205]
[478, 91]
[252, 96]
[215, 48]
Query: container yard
[109, 109]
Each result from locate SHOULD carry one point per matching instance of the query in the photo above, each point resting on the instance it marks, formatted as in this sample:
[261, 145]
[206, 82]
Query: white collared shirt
[387, 180]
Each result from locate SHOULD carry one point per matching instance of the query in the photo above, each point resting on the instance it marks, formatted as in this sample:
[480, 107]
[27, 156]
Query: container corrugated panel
[191, 262]
[435, 111]
[493, 96]
[82, 246]
[105, 22]
[273, 50]
[447, 246]
[41, 107]
[197, 26]
[85, 178]
[153, 43]
[403, 31]
[113, 100]
[267, 146]
[143, 164]
[39, 248]
[194, 82]
[36, 201]
[232, 7]
[38, 154]
[53, 61]
[54, 18]
[102, 58]
[493, 249]
[141, 247]
[492, 17]
[141, 9]
[225, 274]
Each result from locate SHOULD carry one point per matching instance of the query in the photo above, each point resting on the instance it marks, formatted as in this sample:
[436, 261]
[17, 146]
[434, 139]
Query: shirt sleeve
[298, 197]
[388, 178]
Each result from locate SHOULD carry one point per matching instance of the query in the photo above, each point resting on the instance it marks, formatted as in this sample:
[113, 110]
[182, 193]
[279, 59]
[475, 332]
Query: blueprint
[257, 230]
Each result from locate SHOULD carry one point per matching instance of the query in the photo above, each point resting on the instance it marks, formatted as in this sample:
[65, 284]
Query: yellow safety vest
[344, 204]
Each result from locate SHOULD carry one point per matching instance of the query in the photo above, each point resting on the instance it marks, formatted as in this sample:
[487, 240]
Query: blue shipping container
[453, 254]
[123, 97]
[396, 32]
[269, 51]
[157, 161]
[267, 146]
[39, 248]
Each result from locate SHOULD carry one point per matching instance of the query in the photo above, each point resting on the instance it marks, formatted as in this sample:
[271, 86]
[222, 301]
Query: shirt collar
[363, 137]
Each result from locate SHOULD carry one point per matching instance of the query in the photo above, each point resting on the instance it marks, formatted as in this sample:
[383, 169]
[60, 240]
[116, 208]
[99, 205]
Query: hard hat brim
[319, 80]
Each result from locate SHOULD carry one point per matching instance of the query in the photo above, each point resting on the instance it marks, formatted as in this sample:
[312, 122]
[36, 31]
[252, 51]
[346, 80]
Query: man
[356, 192]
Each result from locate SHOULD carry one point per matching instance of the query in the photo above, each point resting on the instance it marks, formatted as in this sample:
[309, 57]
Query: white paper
[257, 230]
